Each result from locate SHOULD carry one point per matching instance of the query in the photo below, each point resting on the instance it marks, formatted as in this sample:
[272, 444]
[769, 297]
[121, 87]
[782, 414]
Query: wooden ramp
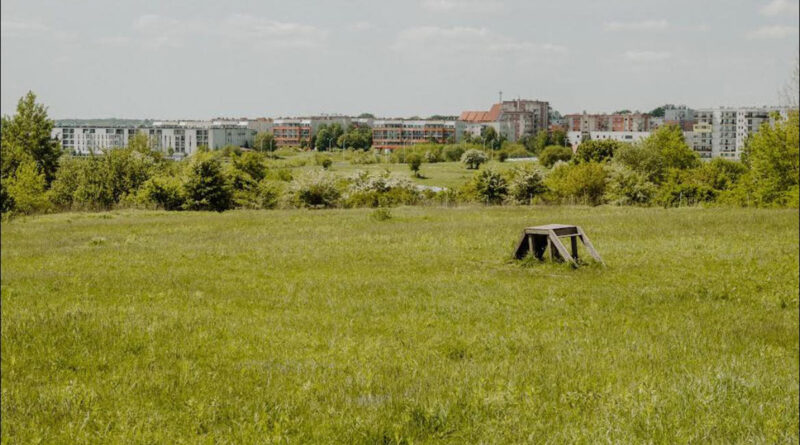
[537, 239]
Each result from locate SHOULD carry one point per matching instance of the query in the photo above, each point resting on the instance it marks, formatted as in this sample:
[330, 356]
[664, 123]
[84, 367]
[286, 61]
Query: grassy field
[332, 327]
[439, 174]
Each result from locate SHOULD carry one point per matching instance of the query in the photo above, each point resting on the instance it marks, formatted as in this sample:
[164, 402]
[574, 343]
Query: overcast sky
[202, 59]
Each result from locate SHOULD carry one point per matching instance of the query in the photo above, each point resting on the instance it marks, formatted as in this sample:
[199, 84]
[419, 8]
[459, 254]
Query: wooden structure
[537, 239]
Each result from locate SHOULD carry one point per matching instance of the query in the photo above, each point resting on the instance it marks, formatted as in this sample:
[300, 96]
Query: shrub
[596, 151]
[474, 158]
[269, 193]
[487, 186]
[453, 153]
[314, 190]
[26, 189]
[251, 163]
[644, 159]
[62, 189]
[380, 191]
[680, 189]
[324, 161]
[628, 187]
[166, 192]
[414, 161]
[206, 187]
[525, 184]
[554, 153]
[583, 183]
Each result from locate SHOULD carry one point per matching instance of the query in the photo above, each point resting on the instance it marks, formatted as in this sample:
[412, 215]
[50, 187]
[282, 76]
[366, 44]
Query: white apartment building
[576, 137]
[722, 132]
[179, 137]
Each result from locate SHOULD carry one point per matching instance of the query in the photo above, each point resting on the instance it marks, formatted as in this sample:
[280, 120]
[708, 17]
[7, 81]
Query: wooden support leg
[530, 245]
[589, 246]
[574, 241]
[561, 250]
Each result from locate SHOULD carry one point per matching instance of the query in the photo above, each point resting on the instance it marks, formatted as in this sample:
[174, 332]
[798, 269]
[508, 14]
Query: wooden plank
[554, 241]
[590, 247]
[574, 241]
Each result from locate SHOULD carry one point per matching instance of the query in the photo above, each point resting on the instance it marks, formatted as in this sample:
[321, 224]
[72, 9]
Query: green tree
[773, 156]
[541, 141]
[559, 137]
[414, 161]
[583, 183]
[474, 158]
[525, 184]
[264, 141]
[328, 136]
[657, 112]
[596, 151]
[554, 153]
[489, 136]
[26, 189]
[206, 186]
[669, 141]
[27, 136]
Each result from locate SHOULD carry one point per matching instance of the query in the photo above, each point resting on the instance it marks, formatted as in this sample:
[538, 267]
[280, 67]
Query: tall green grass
[334, 326]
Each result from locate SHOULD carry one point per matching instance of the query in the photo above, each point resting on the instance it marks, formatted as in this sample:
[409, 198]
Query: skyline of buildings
[711, 132]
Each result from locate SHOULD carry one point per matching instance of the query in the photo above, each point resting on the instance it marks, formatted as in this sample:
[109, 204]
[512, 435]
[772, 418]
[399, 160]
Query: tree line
[37, 177]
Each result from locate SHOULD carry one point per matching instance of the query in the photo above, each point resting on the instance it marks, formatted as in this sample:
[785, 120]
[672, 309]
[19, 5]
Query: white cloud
[28, 28]
[778, 7]
[465, 39]
[156, 32]
[644, 25]
[647, 56]
[466, 6]
[773, 32]
[362, 26]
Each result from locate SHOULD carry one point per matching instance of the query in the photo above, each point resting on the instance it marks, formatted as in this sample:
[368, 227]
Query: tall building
[722, 132]
[513, 119]
[398, 133]
[680, 115]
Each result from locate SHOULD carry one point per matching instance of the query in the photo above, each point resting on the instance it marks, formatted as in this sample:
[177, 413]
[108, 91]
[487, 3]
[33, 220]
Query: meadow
[332, 326]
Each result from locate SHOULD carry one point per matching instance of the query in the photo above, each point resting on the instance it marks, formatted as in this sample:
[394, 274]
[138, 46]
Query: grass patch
[329, 326]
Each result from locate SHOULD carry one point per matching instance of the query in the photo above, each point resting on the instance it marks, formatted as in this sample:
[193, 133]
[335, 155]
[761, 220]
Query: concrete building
[174, 137]
[576, 137]
[626, 122]
[680, 115]
[513, 119]
[722, 132]
[297, 132]
[398, 133]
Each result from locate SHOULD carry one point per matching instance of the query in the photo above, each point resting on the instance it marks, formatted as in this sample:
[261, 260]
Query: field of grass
[439, 174]
[332, 327]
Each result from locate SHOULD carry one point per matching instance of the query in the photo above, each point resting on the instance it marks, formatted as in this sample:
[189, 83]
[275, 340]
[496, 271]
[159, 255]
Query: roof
[481, 116]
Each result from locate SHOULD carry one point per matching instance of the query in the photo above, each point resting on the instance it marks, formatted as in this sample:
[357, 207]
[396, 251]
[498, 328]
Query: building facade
[576, 137]
[399, 133]
[181, 138]
[513, 119]
[722, 132]
[626, 122]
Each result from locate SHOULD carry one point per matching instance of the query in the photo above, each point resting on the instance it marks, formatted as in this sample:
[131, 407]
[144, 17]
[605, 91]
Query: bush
[166, 192]
[525, 184]
[628, 187]
[554, 153]
[269, 193]
[644, 159]
[453, 153]
[206, 186]
[414, 161]
[596, 151]
[380, 191]
[474, 158]
[381, 214]
[488, 187]
[324, 161]
[251, 163]
[581, 183]
[680, 189]
[314, 190]
[26, 189]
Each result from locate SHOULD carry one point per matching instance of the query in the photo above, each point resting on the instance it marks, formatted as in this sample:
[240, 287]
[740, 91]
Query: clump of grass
[381, 214]
[97, 241]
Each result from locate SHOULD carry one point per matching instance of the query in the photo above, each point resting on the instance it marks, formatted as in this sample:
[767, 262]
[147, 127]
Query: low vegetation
[404, 326]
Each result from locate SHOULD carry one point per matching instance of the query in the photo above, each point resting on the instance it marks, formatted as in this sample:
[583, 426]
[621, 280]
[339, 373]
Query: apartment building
[297, 132]
[398, 133]
[513, 119]
[576, 137]
[722, 131]
[680, 115]
[174, 137]
[626, 122]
